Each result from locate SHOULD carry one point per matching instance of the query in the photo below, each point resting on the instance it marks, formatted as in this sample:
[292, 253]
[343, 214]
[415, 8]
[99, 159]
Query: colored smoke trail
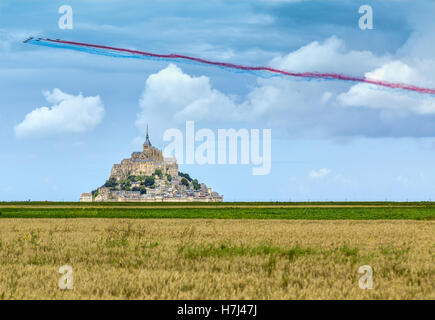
[263, 71]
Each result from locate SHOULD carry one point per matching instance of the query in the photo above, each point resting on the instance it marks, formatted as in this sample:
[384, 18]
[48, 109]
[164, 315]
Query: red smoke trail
[313, 75]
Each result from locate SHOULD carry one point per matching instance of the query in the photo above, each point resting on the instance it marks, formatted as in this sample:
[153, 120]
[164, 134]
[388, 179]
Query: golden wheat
[216, 259]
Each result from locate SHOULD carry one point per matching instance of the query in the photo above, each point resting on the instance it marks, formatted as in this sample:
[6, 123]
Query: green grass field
[405, 212]
[425, 204]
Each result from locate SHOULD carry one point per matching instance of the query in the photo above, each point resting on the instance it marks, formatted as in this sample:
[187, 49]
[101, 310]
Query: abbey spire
[147, 142]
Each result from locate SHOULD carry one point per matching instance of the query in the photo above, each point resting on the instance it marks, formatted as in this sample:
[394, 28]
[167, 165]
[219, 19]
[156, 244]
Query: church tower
[147, 143]
[149, 152]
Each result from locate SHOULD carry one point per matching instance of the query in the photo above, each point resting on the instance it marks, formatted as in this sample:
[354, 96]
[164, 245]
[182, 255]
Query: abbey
[147, 176]
[144, 163]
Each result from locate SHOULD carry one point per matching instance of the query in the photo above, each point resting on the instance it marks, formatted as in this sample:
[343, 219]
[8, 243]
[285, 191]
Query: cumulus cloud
[318, 174]
[370, 96]
[328, 56]
[172, 95]
[68, 114]
[402, 179]
[10, 38]
[314, 109]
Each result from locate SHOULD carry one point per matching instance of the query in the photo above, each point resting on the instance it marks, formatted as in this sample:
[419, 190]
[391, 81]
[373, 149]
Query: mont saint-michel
[147, 176]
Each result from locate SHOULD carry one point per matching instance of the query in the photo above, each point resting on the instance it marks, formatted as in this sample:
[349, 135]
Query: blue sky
[330, 140]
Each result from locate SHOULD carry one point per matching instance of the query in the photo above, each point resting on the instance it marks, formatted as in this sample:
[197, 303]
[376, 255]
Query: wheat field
[216, 259]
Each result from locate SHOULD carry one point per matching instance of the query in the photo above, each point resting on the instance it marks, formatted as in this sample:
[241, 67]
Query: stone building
[144, 163]
[86, 197]
[147, 176]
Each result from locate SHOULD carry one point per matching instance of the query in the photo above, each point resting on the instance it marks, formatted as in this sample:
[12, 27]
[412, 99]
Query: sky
[66, 117]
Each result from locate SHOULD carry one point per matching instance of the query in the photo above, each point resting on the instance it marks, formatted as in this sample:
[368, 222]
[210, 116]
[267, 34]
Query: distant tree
[159, 173]
[135, 189]
[184, 182]
[168, 177]
[184, 175]
[111, 183]
[132, 178]
[126, 185]
[196, 184]
[149, 181]
[143, 190]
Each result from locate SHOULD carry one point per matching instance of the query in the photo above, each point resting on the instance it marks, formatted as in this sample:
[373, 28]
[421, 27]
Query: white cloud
[137, 142]
[370, 96]
[402, 180]
[295, 107]
[329, 56]
[318, 174]
[342, 180]
[9, 38]
[172, 95]
[69, 114]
